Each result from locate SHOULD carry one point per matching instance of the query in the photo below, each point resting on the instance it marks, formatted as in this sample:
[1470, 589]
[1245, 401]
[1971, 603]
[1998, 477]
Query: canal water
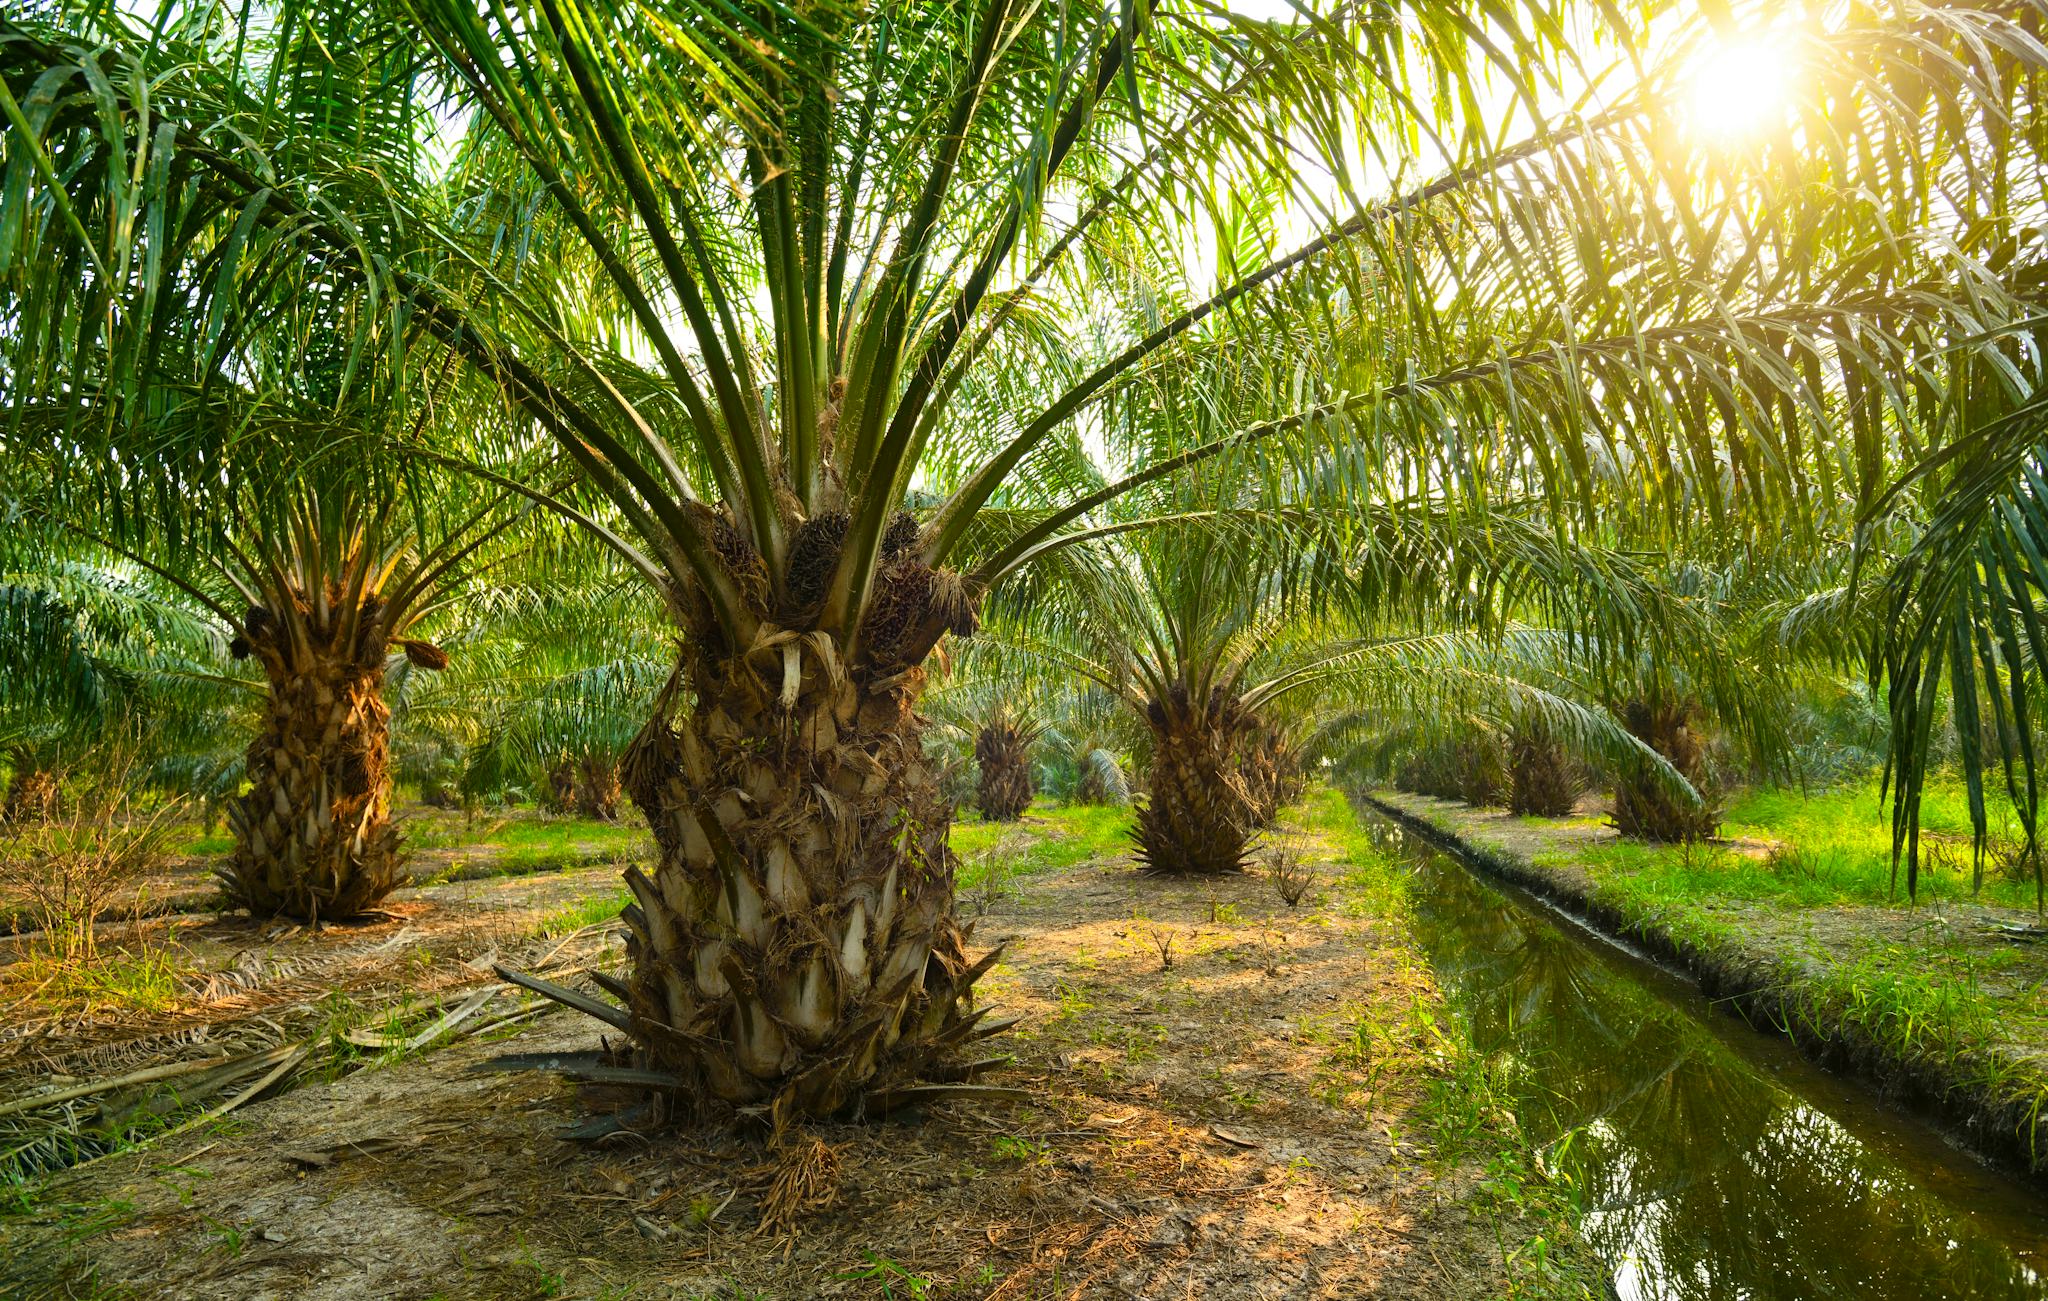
[1712, 1160]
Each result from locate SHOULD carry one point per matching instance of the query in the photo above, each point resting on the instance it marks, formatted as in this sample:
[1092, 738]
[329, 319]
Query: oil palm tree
[1002, 757]
[321, 597]
[1231, 638]
[1164, 622]
[1078, 732]
[558, 671]
[1271, 764]
[94, 645]
[860, 249]
[1675, 703]
[1669, 723]
[249, 462]
[1715, 669]
[1543, 779]
[314, 835]
[999, 716]
[1090, 742]
[309, 563]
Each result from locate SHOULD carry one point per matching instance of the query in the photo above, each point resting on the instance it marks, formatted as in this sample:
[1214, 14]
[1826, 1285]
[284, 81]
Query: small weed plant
[1289, 871]
[898, 1283]
[71, 866]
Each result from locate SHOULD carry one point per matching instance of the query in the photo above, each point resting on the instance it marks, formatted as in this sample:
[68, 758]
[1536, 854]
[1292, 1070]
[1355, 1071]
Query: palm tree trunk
[560, 794]
[1103, 780]
[1645, 810]
[597, 788]
[795, 949]
[314, 837]
[1480, 764]
[1197, 819]
[1542, 780]
[1002, 751]
[1272, 774]
[32, 796]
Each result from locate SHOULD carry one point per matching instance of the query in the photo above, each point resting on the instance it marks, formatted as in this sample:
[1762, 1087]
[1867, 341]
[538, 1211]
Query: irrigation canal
[1713, 1161]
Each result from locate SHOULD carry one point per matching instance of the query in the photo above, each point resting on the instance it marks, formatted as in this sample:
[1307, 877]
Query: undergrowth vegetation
[1471, 1098]
[763, 430]
[1809, 850]
[1071, 835]
[514, 838]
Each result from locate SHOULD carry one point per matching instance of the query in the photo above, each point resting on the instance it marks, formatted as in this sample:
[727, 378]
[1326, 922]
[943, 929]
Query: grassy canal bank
[1942, 1005]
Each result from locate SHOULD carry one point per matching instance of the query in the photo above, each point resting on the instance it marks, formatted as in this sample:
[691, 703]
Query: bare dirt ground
[228, 981]
[1229, 1098]
[191, 984]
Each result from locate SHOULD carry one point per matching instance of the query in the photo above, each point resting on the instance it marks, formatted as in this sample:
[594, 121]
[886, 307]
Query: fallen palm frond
[54, 1129]
[153, 1075]
[262, 998]
[413, 1043]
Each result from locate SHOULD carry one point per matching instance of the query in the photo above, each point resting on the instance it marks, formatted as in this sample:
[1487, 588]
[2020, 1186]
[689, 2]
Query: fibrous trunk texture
[1542, 779]
[1272, 772]
[1197, 819]
[1103, 780]
[1644, 809]
[1002, 752]
[1481, 769]
[314, 838]
[794, 953]
[597, 788]
[32, 796]
[559, 795]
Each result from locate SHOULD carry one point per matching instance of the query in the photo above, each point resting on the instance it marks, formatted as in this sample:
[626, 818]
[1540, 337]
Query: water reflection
[1708, 1168]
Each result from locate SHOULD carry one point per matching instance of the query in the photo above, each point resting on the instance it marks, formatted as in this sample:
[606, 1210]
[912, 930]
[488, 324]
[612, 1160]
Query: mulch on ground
[222, 982]
[1226, 1100]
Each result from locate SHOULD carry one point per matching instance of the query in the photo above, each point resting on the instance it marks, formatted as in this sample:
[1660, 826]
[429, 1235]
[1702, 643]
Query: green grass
[528, 839]
[1467, 1114]
[514, 848]
[143, 981]
[1933, 998]
[1835, 848]
[1058, 838]
[191, 839]
[588, 912]
[1372, 885]
[1470, 1112]
[514, 842]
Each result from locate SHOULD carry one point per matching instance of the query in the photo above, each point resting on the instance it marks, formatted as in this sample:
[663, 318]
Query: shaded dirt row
[1227, 1099]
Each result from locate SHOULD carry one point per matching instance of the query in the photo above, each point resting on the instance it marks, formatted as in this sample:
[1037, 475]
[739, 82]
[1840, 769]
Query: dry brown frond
[803, 1180]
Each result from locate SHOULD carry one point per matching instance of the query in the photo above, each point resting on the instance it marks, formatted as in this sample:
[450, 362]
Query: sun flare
[1740, 87]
